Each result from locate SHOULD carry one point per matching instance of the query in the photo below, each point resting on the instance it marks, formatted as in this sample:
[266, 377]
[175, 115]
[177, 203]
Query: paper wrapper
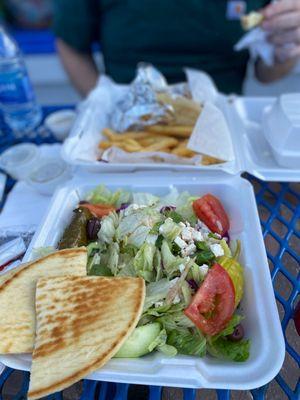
[211, 135]
[96, 112]
[114, 154]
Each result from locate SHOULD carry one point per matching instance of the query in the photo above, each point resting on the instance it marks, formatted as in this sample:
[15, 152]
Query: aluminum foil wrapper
[140, 107]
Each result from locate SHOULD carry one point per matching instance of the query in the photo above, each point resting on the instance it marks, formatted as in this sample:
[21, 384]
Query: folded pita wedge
[17, 296]
[81, 323]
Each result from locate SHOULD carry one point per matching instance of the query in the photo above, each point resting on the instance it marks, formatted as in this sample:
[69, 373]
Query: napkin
[256, 42]
[23, 210]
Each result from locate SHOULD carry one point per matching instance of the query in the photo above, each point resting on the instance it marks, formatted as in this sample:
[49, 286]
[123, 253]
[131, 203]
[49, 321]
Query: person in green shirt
[171, 34]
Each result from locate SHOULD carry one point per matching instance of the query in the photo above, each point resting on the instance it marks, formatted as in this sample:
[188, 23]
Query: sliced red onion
[92, 228]
[226, 237]
[167, 209]
[123, 206]
[193, 284]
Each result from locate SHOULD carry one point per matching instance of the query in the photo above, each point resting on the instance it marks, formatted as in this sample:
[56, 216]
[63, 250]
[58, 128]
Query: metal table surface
[279, 210]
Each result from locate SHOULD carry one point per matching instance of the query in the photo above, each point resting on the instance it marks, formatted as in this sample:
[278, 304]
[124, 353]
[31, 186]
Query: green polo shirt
[171, 34]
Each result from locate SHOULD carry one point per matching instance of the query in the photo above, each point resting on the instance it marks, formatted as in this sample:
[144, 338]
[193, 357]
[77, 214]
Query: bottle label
[15, 87]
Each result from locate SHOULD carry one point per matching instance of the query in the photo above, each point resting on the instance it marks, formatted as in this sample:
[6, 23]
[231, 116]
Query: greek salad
[179, 244]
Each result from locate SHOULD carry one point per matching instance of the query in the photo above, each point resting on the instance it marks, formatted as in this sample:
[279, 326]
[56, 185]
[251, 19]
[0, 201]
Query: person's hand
[282, 23]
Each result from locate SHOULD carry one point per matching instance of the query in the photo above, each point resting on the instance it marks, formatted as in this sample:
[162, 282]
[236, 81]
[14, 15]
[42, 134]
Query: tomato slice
[98, 210]
[214, 303]
[210, 211]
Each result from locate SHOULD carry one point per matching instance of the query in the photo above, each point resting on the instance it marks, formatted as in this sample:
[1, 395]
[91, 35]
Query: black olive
[237, 334]
[92, 228]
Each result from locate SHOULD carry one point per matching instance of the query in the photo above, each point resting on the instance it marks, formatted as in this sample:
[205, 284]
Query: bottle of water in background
[17, 99]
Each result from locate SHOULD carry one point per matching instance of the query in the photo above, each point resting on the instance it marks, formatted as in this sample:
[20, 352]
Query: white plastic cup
[19, 160]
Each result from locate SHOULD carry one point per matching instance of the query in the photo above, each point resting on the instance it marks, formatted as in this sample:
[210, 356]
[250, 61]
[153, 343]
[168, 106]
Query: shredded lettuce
[169, 229]
[108, 228]
[143, 262]
[226, 349]
[102, 195]
[170, 262]
[160, 344]
[156, 291]
[144, 199]
[140, 241]
[188, 342]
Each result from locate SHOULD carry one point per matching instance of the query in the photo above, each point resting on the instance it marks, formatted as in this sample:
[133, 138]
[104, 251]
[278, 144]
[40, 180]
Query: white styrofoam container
[281, 127]
[244, 118]
[262, 324]
[80, 148]
[245, 114]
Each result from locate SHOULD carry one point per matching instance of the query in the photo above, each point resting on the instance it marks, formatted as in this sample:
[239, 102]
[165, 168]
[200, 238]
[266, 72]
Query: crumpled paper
[256, 42]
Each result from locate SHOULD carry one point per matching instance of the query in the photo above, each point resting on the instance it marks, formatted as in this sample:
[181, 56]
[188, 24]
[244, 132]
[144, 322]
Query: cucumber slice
[139, 341]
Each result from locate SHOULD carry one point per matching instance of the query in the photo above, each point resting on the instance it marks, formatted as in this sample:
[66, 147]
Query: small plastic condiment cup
[48, 175]
[281, 127]
[19, 160]
[60, 123]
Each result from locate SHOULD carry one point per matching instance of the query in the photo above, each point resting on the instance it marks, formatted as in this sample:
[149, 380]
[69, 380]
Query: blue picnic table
[279, 209]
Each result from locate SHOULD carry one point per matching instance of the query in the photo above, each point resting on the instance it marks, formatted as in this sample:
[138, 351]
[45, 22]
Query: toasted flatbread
[81, 323]
[17, 296]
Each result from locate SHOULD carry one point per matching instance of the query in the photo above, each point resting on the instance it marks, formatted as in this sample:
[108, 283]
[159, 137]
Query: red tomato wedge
[98, 210]
[210, 211]
[213, 304]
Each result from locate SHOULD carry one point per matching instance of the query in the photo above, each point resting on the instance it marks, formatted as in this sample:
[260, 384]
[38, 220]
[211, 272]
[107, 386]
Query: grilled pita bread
[81, 323]
[17, 296]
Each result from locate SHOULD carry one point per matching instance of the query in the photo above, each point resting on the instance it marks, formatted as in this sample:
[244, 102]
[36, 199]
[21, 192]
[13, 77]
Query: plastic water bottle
[17, 99]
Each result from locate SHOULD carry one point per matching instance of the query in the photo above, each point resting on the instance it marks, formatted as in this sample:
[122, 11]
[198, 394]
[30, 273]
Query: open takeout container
[243, 115]
[262, 324]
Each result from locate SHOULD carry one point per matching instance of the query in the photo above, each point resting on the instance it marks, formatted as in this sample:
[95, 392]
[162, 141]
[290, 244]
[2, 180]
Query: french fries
[170, 130]
[162, 138]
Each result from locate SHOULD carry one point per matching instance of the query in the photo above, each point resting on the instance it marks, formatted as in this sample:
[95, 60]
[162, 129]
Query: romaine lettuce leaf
[169, 229]
[143, 216]
[170, 262]
[188, 342]
[138, 237]
[144, 199]
[160, 344]
[220, 346]
[226, 349]
[107, 231]
[113, 252]
[102, 195]
[175, 319]
[143, 262]
[156, 291]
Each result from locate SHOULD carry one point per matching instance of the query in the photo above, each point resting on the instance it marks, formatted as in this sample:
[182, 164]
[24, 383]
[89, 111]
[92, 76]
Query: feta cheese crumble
[181, 243]
[187, 233]
[217, 250]
[190, 249]
[203, 269]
